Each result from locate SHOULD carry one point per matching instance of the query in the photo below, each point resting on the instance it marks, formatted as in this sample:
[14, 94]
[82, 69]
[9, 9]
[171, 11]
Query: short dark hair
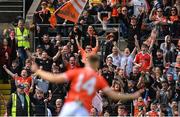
[144, 45]
[93, 58]
[160, 50]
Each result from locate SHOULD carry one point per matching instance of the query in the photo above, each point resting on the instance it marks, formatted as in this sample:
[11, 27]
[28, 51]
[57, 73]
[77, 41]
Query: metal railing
[24, 8]
[97, 27]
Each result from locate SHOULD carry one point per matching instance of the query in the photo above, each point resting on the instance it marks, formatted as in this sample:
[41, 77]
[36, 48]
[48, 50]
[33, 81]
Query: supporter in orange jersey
[88, 50]
[114, 11]
[24, 79]
[152, 112]
[174, 15]
[72, 64]
[85, 82]
[174, 20]
[139, 107]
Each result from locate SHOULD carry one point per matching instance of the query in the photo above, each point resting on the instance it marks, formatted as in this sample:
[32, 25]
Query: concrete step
[2, 112]
[11, 8]
[2, 3]
[3, 102]
[2, 107]
[5, 92]
[5, 86]
[5, 97]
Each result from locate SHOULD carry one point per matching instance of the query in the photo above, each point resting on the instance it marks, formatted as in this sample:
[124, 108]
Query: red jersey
[137, 107]
[144, 60]
[27, 80]
[84, 54]
[85, 82]
[152, 114]
[174, 18]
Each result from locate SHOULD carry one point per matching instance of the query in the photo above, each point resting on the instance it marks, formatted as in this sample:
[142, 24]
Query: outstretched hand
[138, 93]
[34, 67]
[4, 66]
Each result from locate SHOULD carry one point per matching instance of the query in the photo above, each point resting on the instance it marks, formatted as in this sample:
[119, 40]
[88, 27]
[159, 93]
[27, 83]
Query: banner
[71, 11]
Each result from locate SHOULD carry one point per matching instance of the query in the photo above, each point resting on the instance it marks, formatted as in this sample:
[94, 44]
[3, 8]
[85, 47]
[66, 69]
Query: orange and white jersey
[85, 82]
[71, 10]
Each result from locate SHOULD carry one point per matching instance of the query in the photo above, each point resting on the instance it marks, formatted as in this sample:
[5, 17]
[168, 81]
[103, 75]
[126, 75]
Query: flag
[53, 20]
[70, 10]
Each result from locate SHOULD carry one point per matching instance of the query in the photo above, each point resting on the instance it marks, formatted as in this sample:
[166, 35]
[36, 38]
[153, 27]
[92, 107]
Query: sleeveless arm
[54, 78]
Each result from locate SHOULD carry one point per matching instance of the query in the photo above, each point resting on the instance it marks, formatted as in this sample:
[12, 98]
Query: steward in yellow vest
[22, 35]
[19, 103]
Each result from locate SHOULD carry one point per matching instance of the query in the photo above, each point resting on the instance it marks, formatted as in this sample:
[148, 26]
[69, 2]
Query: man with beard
[158, 61]
[46, 45]
[44, 62]
[39, 103]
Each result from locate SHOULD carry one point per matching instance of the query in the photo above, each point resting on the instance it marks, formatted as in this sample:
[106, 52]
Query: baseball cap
[134, 17]
[39, 88]
[21, 86]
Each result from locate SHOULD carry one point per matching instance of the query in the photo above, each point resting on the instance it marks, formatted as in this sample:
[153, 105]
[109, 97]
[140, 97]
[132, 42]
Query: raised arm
[97, 42]
[151, 14]
[134, 52]
[57, 55]
[109, 15]
[77, 42]
[123, 97]
[136, 43]
[99, 17]
[8, 71]
[54, 78]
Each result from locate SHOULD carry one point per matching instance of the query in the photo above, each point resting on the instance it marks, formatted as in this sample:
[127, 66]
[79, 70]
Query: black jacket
[20, 111]
[134, 31]
[39, 107]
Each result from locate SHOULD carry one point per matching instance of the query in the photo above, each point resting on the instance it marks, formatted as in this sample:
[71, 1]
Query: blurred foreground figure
[85, 82]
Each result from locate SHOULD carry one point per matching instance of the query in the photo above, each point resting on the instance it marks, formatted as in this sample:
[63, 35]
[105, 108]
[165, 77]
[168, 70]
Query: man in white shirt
[127, 60]
[116, 56]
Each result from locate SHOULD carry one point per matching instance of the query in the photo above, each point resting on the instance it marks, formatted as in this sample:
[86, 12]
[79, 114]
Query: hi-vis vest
[21, 38]
[14, 101]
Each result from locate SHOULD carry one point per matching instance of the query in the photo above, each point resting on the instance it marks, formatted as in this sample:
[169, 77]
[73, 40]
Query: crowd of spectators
[151, 59]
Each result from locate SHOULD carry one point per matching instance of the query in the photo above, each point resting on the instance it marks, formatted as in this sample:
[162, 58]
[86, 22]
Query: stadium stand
[138, 42]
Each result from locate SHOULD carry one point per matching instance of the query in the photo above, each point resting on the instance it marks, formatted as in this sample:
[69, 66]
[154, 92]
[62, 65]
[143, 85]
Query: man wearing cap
[38, 102]
[19, 103]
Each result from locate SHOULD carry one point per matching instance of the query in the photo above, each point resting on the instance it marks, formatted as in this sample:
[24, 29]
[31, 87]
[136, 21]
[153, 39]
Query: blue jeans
[22, 54]
[123, 29]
